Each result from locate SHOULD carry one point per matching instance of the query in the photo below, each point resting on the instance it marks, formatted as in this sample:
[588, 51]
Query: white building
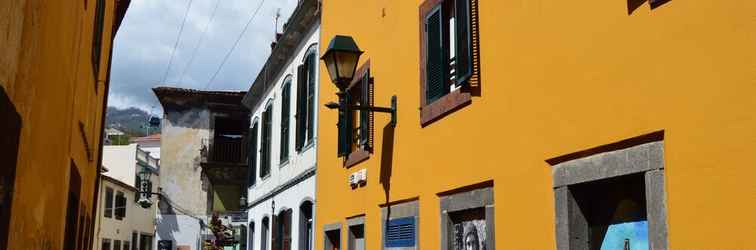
[283, 136]
[121, 223]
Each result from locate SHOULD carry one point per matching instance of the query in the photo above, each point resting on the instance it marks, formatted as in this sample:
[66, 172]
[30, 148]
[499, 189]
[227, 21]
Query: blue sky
[144, 42]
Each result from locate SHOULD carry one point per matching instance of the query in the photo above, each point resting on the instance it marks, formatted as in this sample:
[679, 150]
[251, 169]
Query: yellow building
[54, 67]
[569, 122]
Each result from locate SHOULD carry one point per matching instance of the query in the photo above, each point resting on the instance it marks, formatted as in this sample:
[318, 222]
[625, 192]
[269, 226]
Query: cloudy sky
[146, 39]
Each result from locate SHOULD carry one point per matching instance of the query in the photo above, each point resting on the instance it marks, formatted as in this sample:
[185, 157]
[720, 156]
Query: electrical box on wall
[358, 177]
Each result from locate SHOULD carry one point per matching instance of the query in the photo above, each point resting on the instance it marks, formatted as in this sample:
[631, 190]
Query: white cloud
[144, 42]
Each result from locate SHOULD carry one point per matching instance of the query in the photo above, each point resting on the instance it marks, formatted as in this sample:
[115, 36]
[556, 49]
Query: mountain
[131, 121]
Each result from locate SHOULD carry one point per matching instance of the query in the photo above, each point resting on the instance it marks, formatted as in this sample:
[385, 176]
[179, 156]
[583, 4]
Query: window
[134, 239]
[105, 244]
[355, 142]
[267, 131]
[116, 245]
[120, 206]
[400, 232]
[252, 156]
[449, 56]
[251, 237]
[108, 202]
[305, 226]
[97, 37]
[618, 200]
[285, 113]
[72, 211]
[126, 245]
[467, 218]
[145, 241]
[356, 237]
[264, 234]
[332, 237]
[282, 231]
[306, 109]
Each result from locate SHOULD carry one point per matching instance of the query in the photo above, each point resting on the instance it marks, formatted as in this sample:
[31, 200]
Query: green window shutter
[366, 117]
[312, 62]
[463, 42]
[301, 107]
[285, 101]
[252, 156]
[436, 66]
[266, 133]
[345, 128]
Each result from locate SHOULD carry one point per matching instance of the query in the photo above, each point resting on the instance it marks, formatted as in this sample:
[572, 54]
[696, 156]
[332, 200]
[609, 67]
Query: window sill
[283, 163]
[356, 157]
[443, 106]
[307, 146]
[263, 178]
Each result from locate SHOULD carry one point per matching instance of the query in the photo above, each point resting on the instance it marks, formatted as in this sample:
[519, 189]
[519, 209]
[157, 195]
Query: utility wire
[235, 44]
[202, 38]
[175, 45]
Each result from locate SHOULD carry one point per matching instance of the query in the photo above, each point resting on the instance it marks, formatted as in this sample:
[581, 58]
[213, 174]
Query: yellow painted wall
[558, 77]
[46, 72]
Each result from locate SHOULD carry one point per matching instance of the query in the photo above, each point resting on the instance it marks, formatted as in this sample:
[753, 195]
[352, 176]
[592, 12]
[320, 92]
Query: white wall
[138, 219]
[183, 230]
[291, 198]
[298, 162]
[121, 162]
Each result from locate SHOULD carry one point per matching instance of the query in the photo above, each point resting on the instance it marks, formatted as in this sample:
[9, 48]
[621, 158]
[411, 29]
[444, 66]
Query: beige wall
[137, 219]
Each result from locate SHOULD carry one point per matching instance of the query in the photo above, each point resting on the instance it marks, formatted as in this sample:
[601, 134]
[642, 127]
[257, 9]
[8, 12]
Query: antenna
[278, 15]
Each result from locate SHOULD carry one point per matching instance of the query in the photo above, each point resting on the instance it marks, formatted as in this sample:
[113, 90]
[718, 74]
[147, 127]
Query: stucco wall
[557, 77]
[47, 79]
[180, 172]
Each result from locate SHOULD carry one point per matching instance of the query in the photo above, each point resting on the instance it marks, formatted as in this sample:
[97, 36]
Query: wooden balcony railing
[230, 150]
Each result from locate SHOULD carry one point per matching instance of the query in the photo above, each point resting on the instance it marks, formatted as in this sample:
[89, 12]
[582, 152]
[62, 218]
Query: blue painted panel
[635, 232]
[400, 232]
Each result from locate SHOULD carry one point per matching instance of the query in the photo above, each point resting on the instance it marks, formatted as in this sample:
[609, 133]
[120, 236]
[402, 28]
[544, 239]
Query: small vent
[400, 232]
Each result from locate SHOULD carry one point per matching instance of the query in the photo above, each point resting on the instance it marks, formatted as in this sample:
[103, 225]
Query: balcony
[225, 160]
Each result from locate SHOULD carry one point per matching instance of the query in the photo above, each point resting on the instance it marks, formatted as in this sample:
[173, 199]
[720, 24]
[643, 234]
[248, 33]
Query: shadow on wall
[167, 224]
[10, 125]
[632, 5]
[387, 159]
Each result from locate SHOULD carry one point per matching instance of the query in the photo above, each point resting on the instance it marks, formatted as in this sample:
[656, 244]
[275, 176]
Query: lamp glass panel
[331, 65]
[347, 63]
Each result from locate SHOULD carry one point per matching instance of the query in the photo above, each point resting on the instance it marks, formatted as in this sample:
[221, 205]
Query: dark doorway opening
[333, 240]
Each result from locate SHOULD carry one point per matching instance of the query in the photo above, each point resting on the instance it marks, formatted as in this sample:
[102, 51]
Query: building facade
[203, 164]
[54, 65]
[541, 125]
[283, 138]
[121, 222]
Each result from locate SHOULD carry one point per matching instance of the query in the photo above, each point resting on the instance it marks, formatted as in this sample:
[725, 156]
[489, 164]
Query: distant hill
[131, 121]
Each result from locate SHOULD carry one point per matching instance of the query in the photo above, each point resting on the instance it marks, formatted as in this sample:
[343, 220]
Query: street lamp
[145, 188]
[341, 60]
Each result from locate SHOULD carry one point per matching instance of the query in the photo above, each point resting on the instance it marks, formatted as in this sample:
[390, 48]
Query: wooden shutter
[285, 99]
[266, 133]
[274, 236]
[366, 117]
[301, 106]
[463, 41]
[252, 156]
[286, 221]
[436, 66]
[345, 127]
